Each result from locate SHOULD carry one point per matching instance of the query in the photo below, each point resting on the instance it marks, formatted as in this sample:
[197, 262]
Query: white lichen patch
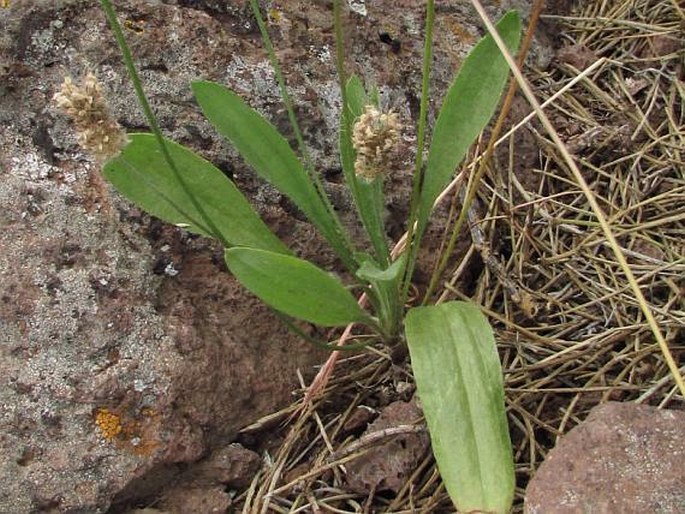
[357, 6]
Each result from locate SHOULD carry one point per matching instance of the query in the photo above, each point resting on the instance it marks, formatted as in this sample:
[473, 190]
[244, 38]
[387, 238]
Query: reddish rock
[390, 461]
[198, 500]
[232, 466]
[625, 458]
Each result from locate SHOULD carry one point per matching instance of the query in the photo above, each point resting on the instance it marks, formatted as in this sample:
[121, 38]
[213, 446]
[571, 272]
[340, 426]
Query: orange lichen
[149, 412]
[142, 434]
[131, 432]
[274, 16]
[109, 423]
[459, 30]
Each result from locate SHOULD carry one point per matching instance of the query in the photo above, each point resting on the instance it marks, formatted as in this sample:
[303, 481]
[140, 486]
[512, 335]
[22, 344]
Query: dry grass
[587, 342]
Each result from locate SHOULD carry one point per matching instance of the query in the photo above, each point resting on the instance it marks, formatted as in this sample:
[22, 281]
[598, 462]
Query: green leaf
[368, 196]
[459, 382]
[370, 271]
[384, 292]
[295, 287]
[263, 148]
[356, 96]
[468, 107]
[142, 175]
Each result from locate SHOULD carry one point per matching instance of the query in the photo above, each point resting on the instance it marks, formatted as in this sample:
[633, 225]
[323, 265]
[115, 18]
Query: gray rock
[111, 375]
[624, 458]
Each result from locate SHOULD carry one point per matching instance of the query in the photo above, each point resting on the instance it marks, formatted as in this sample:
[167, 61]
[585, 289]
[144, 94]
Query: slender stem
[152, 120]
[280, 79]
[320, 344]
[413, 239]
[343, 245]
[342, 80]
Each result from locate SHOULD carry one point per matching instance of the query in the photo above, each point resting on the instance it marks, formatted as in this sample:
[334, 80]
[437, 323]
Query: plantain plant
[452, 348]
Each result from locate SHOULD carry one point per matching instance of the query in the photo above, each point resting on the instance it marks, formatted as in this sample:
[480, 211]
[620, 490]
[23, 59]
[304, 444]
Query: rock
[205, 500]
[624, 458]
[387, 465]
[578, 56]
[231, 466]
[147, 511]
[111, 376]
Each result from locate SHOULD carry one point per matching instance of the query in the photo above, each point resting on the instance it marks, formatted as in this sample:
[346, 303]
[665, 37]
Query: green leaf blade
[143, 176]
[295, 287]
[370, 272]
[459, 382]
[267, 152]
[467, 108]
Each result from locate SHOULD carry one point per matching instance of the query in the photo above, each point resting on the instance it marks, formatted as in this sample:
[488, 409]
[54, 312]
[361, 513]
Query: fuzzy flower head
[98, 132]
[375, 136]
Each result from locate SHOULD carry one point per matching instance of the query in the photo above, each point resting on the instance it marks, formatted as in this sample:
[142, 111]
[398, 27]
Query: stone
[387, 465]
[624, 457]
[230, 466]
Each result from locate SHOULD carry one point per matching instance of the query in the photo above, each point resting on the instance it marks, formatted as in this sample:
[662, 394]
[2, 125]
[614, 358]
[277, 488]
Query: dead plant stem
[601, 218]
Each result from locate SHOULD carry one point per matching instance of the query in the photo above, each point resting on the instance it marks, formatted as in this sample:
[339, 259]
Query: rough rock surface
[126, 350]
[385, 467]
[624, 458]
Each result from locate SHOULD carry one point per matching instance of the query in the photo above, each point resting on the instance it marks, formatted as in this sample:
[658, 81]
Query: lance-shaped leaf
[268, 152]
[468, 106]
[295, 287]
[459, 382]
[143, 175]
